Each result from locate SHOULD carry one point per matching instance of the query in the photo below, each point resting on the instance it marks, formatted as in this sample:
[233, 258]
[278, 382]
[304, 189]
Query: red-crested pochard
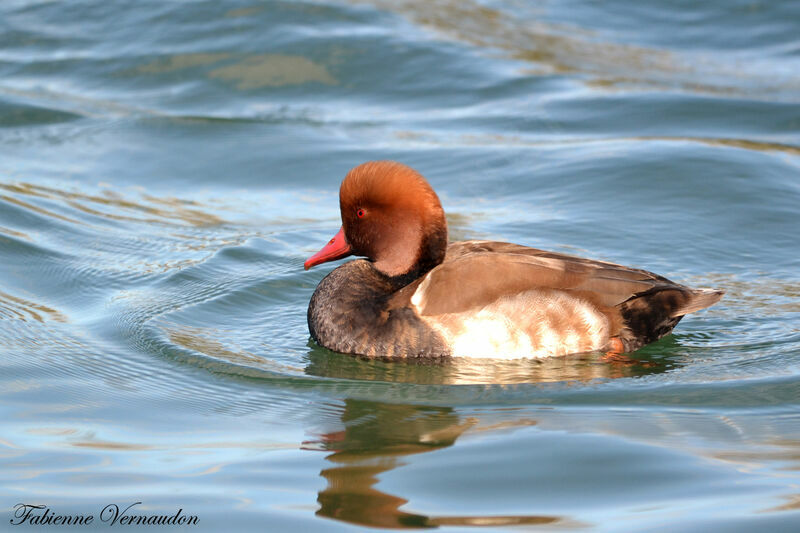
[415, 295]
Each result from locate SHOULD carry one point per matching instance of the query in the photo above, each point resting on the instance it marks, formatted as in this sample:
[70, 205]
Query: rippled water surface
[166, 167]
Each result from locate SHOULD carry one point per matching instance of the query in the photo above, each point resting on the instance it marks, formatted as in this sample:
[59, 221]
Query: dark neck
[350, 313]
[432, 250]
[346, 304]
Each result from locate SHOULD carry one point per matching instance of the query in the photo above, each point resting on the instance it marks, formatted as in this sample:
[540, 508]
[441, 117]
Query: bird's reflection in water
[463, 371]
[377, 437]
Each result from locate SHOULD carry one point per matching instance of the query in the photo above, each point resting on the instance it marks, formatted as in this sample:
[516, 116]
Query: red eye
[360, 213]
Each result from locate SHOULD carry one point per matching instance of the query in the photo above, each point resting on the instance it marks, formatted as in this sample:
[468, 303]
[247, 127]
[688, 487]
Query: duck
[414, 294]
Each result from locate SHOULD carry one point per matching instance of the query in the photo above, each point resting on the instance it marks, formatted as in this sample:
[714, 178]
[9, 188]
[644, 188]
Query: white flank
[418, 298]
[533, 324]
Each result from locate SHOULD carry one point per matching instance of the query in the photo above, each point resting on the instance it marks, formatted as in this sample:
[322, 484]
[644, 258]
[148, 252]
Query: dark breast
[350, 313]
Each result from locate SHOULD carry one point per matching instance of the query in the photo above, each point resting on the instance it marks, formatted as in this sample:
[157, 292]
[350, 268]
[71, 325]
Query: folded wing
[476, 273]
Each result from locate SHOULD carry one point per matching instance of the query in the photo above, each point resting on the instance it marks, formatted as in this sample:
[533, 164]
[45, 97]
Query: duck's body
[420, 297]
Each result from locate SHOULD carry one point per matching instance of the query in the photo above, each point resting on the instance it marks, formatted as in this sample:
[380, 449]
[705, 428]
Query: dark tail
[698, 299]
[650, 315]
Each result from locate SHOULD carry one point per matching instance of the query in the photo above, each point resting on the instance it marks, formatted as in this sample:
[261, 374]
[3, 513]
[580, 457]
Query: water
[166, 167]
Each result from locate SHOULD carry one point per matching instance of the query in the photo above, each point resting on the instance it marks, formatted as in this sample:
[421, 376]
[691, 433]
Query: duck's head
[391, 216]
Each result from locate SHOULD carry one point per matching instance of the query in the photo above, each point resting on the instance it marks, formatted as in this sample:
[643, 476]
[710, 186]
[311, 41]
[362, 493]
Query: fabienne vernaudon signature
[112, 514]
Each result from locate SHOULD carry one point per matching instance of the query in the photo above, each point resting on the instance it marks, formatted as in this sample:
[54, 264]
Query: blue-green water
[166, 167]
